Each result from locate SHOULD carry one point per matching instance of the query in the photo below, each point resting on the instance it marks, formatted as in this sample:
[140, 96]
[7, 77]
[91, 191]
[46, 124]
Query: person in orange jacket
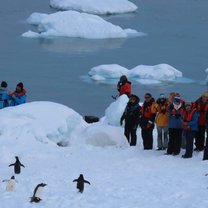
[161, 121]
[148, 113]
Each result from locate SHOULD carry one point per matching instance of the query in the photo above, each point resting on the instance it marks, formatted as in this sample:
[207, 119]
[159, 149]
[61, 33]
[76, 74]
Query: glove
[177, 116]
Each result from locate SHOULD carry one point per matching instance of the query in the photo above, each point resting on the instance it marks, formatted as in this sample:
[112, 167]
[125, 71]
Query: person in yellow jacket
[161, 121]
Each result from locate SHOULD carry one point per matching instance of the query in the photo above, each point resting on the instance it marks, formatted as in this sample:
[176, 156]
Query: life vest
[187, 116]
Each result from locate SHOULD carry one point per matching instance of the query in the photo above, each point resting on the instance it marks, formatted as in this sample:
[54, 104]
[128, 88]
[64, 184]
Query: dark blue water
[51, 69]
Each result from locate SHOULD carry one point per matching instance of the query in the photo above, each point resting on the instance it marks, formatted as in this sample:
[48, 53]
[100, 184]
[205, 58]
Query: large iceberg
[75, 24]
[95, 6]
[141, 74]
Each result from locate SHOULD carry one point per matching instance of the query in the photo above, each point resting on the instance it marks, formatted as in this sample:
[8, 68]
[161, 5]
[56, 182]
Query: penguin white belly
[39, 192]
[11, 185]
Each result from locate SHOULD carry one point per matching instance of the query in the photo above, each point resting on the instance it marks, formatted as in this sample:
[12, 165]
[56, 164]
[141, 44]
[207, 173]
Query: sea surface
[52, 69]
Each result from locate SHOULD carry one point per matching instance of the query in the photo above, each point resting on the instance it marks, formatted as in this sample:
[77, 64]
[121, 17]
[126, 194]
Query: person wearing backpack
[4, 96]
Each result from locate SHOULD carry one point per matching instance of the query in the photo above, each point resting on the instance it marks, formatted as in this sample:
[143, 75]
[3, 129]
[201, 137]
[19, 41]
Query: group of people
[179, 124]
[13, 98]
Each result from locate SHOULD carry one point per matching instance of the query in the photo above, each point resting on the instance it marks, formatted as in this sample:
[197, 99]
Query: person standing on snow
[161, 121]
[131, 116]
[19, 95]
[201, 105]
[190, 127]
[175, 112]
[148, 113]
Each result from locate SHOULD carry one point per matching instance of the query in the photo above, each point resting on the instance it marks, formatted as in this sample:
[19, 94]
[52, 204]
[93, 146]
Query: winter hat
[177, 99]
[3, 84]
[123, 78]
[20, 85]
[162, 95]
[135, 97]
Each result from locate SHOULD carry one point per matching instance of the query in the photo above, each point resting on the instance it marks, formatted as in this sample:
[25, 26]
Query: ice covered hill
[75, 24]
[120, 176]
[95, 6]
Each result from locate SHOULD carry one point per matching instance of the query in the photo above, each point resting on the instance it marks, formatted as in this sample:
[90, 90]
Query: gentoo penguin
[17, 166]
[37, 194]
[11, 184]
[80, 183]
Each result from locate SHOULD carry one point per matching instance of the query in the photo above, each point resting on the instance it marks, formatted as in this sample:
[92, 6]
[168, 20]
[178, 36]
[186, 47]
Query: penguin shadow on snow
[17, 165]
[80, 183]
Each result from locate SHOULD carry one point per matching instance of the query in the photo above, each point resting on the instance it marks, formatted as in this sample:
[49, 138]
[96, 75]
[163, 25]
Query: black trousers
[147, 138]
[189, 135]
[200, 138]
[175, 139]
[130, 134]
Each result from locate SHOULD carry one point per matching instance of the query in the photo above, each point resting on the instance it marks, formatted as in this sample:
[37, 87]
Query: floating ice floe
[76, 24]
[95, 6]
[141, 74]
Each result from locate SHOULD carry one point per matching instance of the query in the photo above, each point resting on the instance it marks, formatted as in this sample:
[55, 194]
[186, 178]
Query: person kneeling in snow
[131, 116]
[19, 95]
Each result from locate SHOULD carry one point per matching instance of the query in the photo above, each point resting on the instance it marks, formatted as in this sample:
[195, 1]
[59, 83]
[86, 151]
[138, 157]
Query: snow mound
[95, 6]
[52, 123]
[75, 24]
[115, 110]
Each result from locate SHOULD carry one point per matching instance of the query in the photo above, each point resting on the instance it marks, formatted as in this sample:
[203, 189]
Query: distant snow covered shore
[95, 6]
[76, 24]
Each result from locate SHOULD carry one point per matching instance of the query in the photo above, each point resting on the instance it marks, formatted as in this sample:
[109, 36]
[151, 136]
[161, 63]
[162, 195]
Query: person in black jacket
[131, 116]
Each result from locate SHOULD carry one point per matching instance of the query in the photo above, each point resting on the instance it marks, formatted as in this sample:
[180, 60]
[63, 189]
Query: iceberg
[95, 6]
[75, 24]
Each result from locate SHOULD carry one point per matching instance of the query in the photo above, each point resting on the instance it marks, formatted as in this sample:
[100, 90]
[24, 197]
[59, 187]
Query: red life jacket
[125, 89]
[202, 108]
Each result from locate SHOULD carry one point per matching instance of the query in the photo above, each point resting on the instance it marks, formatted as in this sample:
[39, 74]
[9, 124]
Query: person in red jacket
[202, 106]
[124, 86]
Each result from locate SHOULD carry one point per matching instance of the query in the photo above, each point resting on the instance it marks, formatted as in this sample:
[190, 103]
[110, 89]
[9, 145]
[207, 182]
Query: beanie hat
[3, 84]
[123, 78]
[177, 99]
[137, 99]
[20, 85]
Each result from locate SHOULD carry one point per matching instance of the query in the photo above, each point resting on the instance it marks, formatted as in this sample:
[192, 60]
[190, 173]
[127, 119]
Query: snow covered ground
[95, 6]
[120, 176]
[75, 24]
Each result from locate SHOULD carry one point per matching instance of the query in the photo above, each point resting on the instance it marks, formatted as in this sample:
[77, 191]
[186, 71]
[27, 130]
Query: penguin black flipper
[85, 181]
[12, 164]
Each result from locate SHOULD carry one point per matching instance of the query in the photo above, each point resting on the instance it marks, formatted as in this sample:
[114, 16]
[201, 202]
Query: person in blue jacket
[19, 95]
[190, 127]
[4, 96]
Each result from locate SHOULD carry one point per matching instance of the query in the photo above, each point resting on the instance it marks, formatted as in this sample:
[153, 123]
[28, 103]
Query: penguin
[17, 166]
[37, 193]
[11, 184]
[80, 183]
